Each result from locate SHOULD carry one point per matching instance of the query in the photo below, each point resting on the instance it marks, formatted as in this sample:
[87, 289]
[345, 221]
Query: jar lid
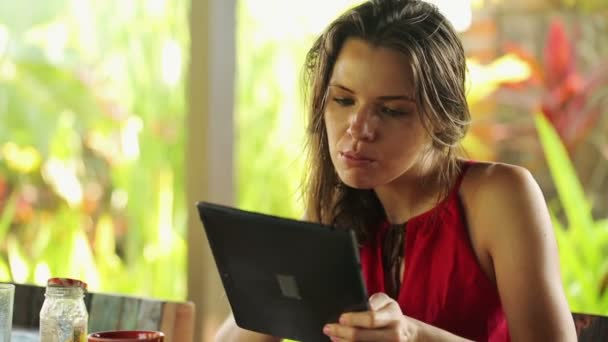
[66, 282]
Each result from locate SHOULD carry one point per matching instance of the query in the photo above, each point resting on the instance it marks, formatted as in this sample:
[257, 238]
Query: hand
[384, 322]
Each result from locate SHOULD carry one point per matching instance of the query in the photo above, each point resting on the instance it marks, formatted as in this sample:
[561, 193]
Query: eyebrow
[384, 98]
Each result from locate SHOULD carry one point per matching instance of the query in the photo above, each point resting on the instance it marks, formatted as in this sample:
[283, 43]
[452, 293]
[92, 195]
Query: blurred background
[115, 116]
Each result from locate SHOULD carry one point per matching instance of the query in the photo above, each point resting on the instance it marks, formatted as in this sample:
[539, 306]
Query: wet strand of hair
[392, 257]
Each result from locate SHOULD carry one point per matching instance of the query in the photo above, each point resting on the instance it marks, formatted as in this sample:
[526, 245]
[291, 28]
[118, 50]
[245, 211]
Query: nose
[362, 125]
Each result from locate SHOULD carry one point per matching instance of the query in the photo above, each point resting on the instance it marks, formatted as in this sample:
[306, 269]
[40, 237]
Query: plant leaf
[569, 189]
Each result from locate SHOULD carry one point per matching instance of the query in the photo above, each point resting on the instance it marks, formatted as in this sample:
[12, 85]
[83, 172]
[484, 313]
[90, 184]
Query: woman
[450, 249]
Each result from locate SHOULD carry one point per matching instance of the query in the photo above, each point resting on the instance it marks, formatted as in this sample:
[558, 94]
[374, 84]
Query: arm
[229, 332]
[509, 214]
[384, 322]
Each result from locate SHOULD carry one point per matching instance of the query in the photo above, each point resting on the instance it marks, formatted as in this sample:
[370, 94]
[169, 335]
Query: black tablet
[284, 277]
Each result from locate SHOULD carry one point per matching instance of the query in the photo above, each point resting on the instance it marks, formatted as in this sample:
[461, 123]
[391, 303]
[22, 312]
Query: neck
[411, 194]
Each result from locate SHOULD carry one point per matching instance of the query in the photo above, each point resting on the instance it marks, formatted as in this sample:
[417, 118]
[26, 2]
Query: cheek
[332, 130]
[409, 143]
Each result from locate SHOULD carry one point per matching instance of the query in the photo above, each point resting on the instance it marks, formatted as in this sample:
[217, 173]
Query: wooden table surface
[108, 312]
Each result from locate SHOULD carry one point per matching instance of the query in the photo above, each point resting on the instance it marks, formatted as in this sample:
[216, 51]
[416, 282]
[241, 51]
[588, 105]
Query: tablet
[284, 277]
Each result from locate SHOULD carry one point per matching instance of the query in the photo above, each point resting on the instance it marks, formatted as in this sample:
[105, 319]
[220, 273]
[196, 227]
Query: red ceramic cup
[127, 336]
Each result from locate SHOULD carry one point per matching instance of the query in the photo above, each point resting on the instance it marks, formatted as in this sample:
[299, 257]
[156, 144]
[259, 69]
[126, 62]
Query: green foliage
[269, 120]
[91, 144]
[583, 244]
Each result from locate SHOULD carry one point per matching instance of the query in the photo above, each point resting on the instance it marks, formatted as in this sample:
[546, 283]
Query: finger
[387, 312]
[338, 332]
[367, 319]
[378, 300]
[337, 339]
[388, 315]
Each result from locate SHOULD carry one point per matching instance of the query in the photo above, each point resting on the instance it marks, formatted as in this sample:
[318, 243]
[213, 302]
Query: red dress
[443, 284]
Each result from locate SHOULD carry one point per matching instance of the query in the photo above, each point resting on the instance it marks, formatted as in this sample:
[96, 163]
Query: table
[109, 312]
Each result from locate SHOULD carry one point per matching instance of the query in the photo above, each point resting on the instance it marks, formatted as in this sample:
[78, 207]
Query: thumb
[379, 300]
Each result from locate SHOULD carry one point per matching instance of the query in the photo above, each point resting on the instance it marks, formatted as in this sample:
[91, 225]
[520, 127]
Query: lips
[355, 159]
[355, 156]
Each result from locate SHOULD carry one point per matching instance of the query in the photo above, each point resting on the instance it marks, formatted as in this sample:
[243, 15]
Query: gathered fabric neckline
[393, 242]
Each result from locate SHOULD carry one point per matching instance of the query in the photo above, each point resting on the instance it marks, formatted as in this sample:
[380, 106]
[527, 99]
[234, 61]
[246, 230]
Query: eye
[343, 101]
[392, 112]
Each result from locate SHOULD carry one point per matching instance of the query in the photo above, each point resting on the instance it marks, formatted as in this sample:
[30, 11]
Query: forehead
[376, 70]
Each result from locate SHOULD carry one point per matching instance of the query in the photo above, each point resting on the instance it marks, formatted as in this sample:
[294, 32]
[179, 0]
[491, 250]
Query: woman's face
[373, 125]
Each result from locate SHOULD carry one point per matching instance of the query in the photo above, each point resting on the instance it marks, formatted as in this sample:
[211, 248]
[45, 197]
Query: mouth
[355, 159]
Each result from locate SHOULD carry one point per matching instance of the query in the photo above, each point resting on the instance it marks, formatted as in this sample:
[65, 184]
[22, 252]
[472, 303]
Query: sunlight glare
[85, 263]
[317, 20]
[477, 4]
[130, 138]
[115, 68]
[458, 12]
[83, 15]
[281, 20]
[120, 198]
[155, 7]
[52, 38]
[510, 67]
[288, 117]
[61, 175]
[485, 78]
[57, 40]
[18, 264]
[171, 62]
[42, 273]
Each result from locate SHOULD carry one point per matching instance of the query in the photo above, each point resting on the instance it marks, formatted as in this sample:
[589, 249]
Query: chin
[360, 183]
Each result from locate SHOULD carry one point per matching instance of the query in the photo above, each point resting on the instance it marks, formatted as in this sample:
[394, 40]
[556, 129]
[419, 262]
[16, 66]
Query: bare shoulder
[484, 177]
[503, 199]
[513, 236]
[498, 186]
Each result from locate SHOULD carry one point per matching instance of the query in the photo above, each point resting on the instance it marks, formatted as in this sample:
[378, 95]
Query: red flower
[567, 100]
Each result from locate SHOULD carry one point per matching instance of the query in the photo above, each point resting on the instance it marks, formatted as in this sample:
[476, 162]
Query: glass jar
[64, 316]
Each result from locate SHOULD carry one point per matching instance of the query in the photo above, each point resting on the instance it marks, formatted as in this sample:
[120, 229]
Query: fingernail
[342, 319]
[326, 330]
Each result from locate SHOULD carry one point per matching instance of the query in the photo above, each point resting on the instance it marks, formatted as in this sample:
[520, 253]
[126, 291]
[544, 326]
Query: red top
[443, 284]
